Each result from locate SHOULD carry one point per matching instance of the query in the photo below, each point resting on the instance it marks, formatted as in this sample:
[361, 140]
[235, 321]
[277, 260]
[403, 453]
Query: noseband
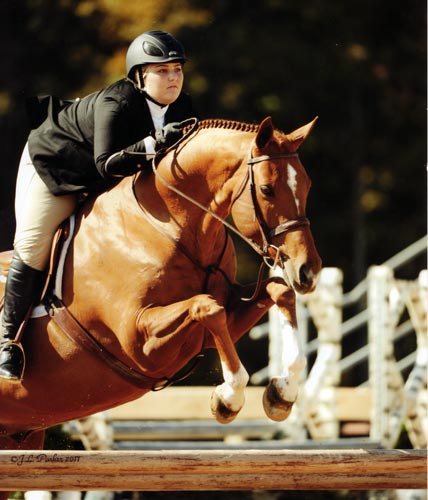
[266, 233]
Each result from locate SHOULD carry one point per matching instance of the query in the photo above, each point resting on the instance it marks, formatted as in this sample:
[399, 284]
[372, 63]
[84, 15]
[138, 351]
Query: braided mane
[226, 124]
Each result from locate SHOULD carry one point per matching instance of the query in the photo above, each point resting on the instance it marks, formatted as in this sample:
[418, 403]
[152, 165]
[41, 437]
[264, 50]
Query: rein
[266, 234]
[210, 269]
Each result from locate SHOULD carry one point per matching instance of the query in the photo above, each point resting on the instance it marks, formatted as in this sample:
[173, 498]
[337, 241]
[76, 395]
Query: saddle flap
[6, 259]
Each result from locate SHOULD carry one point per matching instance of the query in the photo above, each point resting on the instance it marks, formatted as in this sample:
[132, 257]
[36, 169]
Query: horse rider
[85, 146]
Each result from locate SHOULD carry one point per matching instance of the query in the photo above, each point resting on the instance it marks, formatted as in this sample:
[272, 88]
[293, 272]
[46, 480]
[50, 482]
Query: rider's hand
[168, 135]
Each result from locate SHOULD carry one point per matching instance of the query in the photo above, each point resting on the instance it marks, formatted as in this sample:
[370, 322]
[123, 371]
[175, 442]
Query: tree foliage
[359, 65]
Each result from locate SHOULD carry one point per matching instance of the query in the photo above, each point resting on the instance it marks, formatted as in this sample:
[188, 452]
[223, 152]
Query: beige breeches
[38, 214]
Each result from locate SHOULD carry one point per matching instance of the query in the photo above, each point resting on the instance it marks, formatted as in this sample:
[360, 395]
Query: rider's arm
[133, 158]
[111, 126]
[110, 122]
[129, 160]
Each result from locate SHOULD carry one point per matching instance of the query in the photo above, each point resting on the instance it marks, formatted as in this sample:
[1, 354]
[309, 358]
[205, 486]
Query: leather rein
[267, 248]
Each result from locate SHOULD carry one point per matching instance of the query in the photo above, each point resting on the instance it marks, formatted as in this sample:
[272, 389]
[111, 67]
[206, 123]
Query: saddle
[60, 244]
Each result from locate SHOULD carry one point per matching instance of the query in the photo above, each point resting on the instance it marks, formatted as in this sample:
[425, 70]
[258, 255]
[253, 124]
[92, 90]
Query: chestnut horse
[149, 281]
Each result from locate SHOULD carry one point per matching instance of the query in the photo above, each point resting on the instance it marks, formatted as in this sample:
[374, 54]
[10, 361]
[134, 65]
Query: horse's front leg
[228, 398]
[281, 392]
[165, 329]
[282, 389]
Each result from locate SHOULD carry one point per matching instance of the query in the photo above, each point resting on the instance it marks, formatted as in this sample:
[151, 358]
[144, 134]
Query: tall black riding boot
[23, 289]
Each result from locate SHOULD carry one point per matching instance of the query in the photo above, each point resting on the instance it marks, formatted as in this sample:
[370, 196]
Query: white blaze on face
[292, 183]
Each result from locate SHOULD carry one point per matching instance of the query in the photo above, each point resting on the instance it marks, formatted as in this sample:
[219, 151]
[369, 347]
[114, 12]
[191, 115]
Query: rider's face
[163, 82]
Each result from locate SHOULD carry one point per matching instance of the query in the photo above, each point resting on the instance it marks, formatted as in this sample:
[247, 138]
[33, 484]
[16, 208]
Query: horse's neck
[204, 169]
[197, 179]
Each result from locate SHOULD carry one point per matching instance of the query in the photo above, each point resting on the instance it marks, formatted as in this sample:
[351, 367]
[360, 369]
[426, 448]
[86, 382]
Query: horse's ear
[295, 139]
[264, 133]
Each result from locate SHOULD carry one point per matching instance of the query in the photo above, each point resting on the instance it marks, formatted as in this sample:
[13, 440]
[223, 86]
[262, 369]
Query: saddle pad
[40, 310]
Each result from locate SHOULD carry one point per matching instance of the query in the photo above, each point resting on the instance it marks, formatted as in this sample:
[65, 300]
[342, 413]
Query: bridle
[265, 232]
[271, 254]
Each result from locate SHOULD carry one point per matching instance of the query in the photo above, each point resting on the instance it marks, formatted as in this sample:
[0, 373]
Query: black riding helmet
[153, 47]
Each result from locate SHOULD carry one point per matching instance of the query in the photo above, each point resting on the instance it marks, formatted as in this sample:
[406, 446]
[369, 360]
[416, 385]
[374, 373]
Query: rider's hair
[138, 76]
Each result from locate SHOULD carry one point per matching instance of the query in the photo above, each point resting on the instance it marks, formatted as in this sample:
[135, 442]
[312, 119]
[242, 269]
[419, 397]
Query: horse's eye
[266, 189]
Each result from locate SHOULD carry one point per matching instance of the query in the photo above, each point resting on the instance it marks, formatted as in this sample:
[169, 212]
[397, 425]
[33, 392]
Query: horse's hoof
[221, 412]
[275, 407]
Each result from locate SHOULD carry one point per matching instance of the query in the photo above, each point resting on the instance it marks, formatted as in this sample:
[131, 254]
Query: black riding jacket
[71, 141]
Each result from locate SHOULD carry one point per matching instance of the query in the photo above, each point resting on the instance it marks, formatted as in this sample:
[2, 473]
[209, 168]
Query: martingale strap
[80, 336]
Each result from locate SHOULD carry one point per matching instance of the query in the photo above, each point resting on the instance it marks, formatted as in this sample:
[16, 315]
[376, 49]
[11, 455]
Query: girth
[84, 339]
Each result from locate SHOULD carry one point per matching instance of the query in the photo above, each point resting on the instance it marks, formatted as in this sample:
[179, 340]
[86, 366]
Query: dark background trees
[359, 65]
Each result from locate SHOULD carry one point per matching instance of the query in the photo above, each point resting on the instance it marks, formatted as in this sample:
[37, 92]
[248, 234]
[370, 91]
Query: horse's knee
[280, 293]
[205, 309]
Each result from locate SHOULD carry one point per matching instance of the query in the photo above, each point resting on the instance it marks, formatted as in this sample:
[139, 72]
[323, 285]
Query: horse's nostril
[304, 275]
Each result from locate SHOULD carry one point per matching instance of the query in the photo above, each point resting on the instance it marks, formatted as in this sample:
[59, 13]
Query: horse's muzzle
[301, 279]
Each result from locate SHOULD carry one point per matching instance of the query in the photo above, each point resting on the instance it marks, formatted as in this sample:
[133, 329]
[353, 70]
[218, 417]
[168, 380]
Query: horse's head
[271, 210]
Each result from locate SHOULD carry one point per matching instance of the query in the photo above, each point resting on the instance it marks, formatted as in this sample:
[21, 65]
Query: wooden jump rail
[213, 470]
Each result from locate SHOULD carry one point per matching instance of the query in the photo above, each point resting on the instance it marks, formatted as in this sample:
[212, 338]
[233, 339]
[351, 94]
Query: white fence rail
[395, 309]
[397, 388]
